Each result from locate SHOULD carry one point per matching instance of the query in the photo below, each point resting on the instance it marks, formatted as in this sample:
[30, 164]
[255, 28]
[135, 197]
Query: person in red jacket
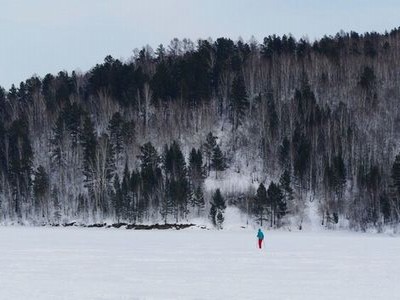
[260, 236]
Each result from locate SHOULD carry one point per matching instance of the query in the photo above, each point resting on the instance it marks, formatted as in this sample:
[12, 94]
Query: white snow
[79, 263]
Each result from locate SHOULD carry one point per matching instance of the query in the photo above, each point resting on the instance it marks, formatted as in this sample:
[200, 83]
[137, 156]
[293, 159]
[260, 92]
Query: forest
[150, 139]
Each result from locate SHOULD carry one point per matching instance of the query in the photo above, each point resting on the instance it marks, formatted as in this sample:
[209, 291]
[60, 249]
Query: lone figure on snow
[260, 236]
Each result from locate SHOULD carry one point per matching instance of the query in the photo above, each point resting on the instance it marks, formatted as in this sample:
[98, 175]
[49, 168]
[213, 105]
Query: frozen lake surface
[80, 263]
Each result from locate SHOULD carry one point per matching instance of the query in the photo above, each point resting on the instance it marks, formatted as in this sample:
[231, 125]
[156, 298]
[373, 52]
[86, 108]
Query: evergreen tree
[58, 142]
[396, 173]
[72, 116]
[49, 92]
[20, 155]
[272, 116]
[149, 157]
[128, 133]
[115, 128]
[151, 177]
[109, 167]
[213, 215]
[160, 52]
[276, 203]
[285, 185]
[177, 184]
[239, 100]
[335, 182]
[41, 187]
[220, 219]
[339, 179]
[196, 169]
[218, 161]
[395, 187]
[261, 204]
[197, 200]
[367, 78]
[163, 83]
[208, 148]
[168, 203]
[89, 142]
[385, 207]
[196, 178]
[217, 209]
[3, 149]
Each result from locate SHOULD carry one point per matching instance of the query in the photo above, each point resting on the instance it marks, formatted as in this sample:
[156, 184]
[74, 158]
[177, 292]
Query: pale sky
[47, 36]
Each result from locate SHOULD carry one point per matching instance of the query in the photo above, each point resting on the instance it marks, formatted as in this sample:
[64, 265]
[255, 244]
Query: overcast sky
[46, 36]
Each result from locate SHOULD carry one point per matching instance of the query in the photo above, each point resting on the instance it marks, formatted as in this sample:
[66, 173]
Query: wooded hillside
[135, 140]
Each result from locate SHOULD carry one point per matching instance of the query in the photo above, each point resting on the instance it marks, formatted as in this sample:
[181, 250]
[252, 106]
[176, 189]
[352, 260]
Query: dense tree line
[137, 140]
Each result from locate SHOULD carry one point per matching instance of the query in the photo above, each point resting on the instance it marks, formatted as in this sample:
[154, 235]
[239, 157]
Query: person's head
[259, 229]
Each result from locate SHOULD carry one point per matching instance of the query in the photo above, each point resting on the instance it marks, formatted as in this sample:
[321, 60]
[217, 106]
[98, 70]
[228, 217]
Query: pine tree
[395, 194]
[151, 177]
[335, 182]
[177, 183]
[285, 185]
[196, 169]
[261, 204]
[160, 52]
[196, 177]
[396, 173]
[218, 161]
[115, 128]
[385, 207]
[213, 215]
[89, 142]
[167, 207]
[220, 219]
[109, 167]
[41, 187]
[58, 142]
[197, 200]
[339, 174]
[367, 78]
[72, 116]
[239, 100]
[3, 148]
[128, 133]
[272, 116]
[217, 209]
[20, 155]
[276, 203]
[208, 148]
[149, 157]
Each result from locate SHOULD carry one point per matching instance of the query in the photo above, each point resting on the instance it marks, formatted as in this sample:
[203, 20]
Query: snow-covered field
[79, 263]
